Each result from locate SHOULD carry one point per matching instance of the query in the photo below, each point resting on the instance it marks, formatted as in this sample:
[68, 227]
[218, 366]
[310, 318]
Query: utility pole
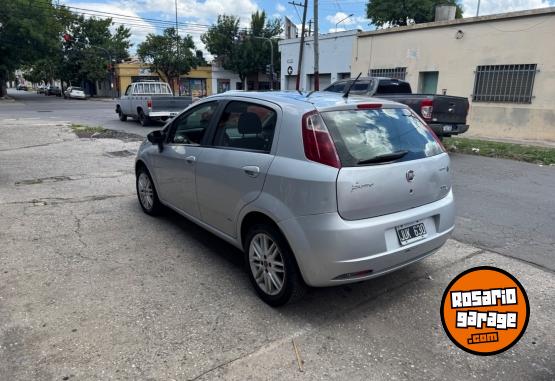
[316, 51]
[177, 47]
[478, 9]
[301, 47]
[309, 27]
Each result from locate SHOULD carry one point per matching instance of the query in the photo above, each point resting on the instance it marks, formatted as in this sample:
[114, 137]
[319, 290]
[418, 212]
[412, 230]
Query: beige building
[504, 64]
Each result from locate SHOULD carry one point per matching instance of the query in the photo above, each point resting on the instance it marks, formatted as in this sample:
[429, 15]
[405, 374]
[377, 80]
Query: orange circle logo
[485, 310]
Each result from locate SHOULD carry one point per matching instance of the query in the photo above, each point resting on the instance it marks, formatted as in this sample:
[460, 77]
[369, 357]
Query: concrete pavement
[92, 288]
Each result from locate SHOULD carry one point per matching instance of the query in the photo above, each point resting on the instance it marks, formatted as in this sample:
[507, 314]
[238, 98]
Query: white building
[336, 52]
[224, 80]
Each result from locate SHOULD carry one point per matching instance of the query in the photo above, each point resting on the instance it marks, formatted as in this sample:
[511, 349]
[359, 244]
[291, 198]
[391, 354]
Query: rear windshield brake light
[368, 106]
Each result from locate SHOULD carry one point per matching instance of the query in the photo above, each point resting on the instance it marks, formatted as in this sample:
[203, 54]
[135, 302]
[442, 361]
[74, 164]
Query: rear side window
[246, 126]
[393, 86]
[363, 135]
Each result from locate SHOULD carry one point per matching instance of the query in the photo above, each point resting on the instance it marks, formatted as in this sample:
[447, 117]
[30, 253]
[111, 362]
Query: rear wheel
[272, 268]
[143, 118]
[148, 198]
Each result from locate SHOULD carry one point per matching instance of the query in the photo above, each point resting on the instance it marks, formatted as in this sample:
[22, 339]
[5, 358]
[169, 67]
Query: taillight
[426, 109]
[149, 103]
[317, 141]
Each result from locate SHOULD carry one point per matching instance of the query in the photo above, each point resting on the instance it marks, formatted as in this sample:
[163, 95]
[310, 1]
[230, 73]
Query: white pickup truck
[148, 101]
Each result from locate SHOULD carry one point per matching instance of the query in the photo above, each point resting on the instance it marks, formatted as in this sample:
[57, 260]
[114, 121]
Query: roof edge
[469, 20]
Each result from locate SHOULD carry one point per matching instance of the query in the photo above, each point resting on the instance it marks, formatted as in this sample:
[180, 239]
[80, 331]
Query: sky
[195, 16]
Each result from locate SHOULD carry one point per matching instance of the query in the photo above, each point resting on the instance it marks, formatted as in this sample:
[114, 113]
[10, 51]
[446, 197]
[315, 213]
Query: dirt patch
[86, 132]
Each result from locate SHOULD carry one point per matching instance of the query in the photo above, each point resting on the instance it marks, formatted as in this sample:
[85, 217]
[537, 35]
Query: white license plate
[172, 114]
[447, 128]
[410, 233]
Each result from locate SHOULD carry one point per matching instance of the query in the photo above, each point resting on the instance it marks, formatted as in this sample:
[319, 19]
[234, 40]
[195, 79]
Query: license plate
[172, 114]
[447, 128]
[409, 233]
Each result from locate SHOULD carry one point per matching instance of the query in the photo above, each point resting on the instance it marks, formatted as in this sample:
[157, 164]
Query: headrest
[249, 123]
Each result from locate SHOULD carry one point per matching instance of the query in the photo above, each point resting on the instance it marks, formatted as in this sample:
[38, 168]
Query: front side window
[246, 126]
[191, 127]
[362, 137]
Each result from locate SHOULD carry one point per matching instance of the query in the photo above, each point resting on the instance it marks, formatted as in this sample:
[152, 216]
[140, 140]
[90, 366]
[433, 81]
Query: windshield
[77, 88]
[370, 137]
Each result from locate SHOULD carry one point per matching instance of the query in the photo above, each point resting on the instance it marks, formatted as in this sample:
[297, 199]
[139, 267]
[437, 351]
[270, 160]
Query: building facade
[336, 52]
[504, 64]
[199, 82]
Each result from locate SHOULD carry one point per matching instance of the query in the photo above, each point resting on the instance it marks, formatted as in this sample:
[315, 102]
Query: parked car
[41, 89]
[320, 191]
[74, 92]
[445, 114]
[21, 87]
[53, 90]
[147, 101]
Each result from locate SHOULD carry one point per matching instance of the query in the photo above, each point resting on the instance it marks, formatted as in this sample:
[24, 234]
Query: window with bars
[394, 72]
[504, 83]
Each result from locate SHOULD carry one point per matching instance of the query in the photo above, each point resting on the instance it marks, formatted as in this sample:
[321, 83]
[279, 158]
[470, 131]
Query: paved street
[503, 206]
[92, 288]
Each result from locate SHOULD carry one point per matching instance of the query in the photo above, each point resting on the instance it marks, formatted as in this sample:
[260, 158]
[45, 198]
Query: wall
[519, 40]
[126, 71]
[336, 51]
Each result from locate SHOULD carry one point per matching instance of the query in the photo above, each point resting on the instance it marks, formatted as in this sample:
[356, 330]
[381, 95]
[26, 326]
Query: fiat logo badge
[410, 175]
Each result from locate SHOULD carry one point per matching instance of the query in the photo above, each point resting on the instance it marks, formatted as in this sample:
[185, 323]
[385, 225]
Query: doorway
[427, 82]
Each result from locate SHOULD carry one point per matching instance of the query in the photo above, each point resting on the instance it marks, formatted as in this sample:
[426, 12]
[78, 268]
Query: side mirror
[156, 137]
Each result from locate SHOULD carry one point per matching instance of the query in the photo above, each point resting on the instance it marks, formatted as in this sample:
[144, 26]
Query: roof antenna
[346, 93]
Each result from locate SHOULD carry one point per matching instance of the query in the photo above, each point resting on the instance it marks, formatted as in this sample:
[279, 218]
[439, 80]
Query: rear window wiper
[384, 158]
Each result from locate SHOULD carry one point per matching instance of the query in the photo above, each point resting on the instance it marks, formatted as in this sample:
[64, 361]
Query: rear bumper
[332, 251]
[162, 114]
[456, 129]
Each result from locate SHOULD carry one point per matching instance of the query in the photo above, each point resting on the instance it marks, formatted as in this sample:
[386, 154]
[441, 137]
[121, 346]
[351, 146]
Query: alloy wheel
[146, 194]
[266, 264]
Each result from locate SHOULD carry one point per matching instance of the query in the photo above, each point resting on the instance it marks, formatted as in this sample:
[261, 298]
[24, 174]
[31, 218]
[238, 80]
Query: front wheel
[148, 198]
[272, 268]
[122, 116]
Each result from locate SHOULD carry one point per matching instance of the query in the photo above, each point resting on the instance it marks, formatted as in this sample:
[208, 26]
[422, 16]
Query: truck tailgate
[170, 103]
[449, 109]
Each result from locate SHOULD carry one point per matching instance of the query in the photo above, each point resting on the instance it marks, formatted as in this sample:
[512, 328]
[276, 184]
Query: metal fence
[395, 72]
[504, 83]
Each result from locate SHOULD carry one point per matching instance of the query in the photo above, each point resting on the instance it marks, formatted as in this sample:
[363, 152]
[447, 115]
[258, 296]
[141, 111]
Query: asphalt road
[503, 205]
[91, 288]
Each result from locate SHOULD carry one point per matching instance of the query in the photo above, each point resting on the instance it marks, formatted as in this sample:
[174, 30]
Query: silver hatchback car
[316, 189]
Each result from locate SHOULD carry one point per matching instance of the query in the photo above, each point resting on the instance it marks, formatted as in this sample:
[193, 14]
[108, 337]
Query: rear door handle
[190, 159]
[251, 170]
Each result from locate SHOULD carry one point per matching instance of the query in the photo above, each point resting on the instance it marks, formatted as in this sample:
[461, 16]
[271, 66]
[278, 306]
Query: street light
[340, 21]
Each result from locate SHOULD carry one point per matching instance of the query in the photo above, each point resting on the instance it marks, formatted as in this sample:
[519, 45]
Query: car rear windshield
[393, 86]
[377, 136]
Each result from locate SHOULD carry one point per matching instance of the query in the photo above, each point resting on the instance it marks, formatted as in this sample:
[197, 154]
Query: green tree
[399, 13]
[28, 32]
[169, 54]
[86, 54]
[241, 51]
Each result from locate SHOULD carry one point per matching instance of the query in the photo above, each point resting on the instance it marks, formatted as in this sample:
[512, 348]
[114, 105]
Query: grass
[521, 152]
[81, 129]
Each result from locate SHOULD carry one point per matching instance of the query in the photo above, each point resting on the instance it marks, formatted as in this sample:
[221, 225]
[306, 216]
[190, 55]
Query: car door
[175, 165]
[231, 171]
[125, 101]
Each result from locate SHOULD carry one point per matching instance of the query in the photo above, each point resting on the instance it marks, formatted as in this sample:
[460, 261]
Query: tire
[122, 116]
[143, 119]
[267, 273]
[148, 200]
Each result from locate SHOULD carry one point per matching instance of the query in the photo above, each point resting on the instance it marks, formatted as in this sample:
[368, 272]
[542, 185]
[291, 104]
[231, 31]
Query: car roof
[319, 99]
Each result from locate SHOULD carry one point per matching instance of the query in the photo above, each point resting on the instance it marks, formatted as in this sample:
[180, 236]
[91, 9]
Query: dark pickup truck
[445, 114]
